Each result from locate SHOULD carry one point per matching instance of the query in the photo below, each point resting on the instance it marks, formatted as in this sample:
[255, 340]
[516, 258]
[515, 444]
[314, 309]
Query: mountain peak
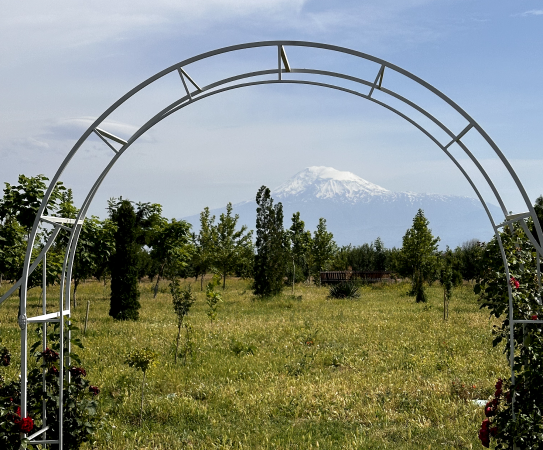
[327, 183]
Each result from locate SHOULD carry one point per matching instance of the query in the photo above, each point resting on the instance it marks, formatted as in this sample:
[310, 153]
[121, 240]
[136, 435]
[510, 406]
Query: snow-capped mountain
[327, 183]
[358, 211]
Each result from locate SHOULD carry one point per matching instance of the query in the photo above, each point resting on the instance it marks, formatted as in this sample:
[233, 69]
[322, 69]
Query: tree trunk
[202, 282]
[142, 390]
[444, 303]
[177, 344]
[76, 283]
[224, 280]
[156, 285]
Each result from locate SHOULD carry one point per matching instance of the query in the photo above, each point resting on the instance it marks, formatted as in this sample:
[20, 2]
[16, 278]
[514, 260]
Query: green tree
[418, 255]
[104, 248]
[470, 256]
[229, 245]
[323, 250]
[203, 255]
[23, 200]
[18, 208]
[300, 249]
[172, 248]
[124, 304]
[271, 246]
[183, 299]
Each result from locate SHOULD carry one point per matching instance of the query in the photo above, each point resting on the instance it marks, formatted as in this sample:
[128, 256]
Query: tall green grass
[378, 372]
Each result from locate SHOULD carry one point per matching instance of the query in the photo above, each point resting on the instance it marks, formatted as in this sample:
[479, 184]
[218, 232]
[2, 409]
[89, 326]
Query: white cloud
[31, 25]
[73, 128]
[533, 12]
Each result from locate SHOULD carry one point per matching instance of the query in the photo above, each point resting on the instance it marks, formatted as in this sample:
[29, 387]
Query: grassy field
[296, 372]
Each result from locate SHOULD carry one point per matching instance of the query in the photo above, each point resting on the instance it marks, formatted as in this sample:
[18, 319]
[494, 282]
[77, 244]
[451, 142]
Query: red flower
[490, 408]
[484, 436]
[26, 424]
[77, 372]
[49, 355]
[499, 391]
[94, 390]
[5, 357]
[514, 282]
[493, 431]
[53, 370]
[534, 317]
[18, 411]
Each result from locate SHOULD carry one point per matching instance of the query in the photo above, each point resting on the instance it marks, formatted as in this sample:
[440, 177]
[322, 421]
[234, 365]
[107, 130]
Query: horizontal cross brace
[528, 321]
[53, 317]
[110, 136]
[44, 442]
[37, 433]
[513, 218]
[61, 220]
[517, 216]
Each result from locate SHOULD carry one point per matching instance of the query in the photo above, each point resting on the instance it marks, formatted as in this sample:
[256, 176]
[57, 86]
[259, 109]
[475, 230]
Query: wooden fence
[337, 276]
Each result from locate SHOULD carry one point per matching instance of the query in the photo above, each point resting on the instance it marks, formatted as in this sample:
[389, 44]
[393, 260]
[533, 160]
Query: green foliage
[418, 257]
[366, 257]
[493, 288]
[271, 246]
[22, 202]
[345, 289]
[172, 247]
[230, 246]
[18, 208]
[470, 255]
[12, 248]
[213, 299]
[203, 255]
[80, 417]
[240, 349]
[183, 299]
[142, 359]
[300, 250]
[323, 249]
[124, 304]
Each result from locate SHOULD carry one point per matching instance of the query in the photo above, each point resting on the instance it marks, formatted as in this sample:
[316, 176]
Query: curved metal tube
[215, 88]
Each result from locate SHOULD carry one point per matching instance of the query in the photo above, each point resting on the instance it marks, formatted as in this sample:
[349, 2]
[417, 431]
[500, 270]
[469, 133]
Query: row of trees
[136, 241]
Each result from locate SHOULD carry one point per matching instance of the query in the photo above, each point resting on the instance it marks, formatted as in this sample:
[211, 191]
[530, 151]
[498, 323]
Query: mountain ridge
[358, 211]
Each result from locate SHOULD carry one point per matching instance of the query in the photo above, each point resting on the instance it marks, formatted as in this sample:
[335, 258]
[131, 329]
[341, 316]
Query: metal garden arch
[275, 75]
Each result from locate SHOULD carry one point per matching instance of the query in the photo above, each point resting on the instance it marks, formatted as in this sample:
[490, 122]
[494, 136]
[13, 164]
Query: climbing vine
[525, 395]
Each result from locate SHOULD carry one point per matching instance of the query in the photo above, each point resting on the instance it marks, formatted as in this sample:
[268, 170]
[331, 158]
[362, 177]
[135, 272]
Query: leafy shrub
[183, 299]
[142, 359]
[524, 429]
[213, 299]
[80, 408]
[239, 348]
[345, 289]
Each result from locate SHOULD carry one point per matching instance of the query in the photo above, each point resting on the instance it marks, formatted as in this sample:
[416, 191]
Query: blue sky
[63, 63]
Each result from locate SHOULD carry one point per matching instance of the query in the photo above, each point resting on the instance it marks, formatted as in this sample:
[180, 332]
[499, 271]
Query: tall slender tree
[124, 304]
[271, 246]
[300, 248]
[323, 250]
[419, 255]
[203, 255]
